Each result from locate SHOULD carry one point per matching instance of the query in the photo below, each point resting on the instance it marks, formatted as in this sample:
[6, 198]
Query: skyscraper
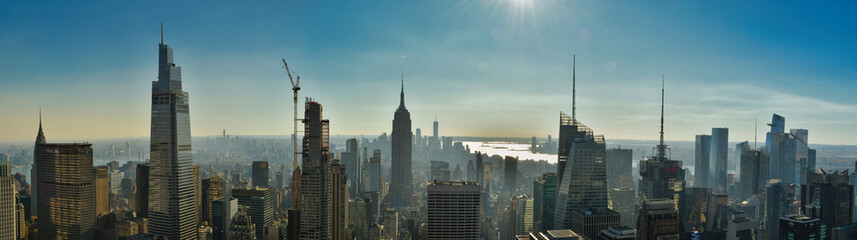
[658, 220]
[102, 192]
[510, 174]
[480, 169]
[544, 202]
[67, 189]
[212, 189]
[314, 188]
[8, 203]
[832, 193]
[261, 178]
[781, 147]
[453, 210]
[357, 218]
[339, 201]
[375, 180]
[754, 172]
[260, 207]
[353, 168]
[522, 214]
[439, 171]
[171, 207]
[391, 224]
[142, 181]
[661, 177]
[702, 161]
[800, 227]
[718, 159]
[401, 181]
[582, 169]
[222, 211]
[619, 166]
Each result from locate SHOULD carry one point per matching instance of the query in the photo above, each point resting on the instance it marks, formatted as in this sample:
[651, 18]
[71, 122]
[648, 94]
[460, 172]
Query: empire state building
[401, 184]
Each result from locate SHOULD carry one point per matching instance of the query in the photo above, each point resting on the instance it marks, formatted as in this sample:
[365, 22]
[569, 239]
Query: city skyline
[717, 73]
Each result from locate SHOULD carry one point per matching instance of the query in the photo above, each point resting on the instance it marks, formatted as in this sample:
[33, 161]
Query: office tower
[102, 192]
[314, 188]
[212, 189]
[754, 172]
[718, 160]
[471, 171]
[619, 168]
[583, 184]
[617, 233]
[622, 200]
[142, 181]
[522, 214]
[693, 210]
[419, 137]
[454, 210]
[658, 220]
[544, 202]
[801, 227]
[8, 203]
[510, 174]
[357, 218]
[702, 161]
[590, 222]
[197, 195]
[260, 174]
[242, 226]
[832, 193]
[780, 203]
[67, 189]
[171, 207]
[260, 207]
[740, 148]
[741, 227]
[439, 171]
[21, 224]
[480, 170]
[391, 224]
[339, 200]
[351, 160]
[222, 212]
[376, 182]
[401, 186]
[434, 128]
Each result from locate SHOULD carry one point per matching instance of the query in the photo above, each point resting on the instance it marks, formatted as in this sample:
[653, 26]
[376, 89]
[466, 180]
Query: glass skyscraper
[171, 189]
[719, 158]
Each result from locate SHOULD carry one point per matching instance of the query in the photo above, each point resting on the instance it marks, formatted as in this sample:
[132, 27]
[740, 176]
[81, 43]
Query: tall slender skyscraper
[510, 174]
[351, 160]
[172, 212]
[315, 205]
[702, 161]
[339, 200]
[718, 159]
[582, 169]
[401, 184]
[67, 189]
[142, 196]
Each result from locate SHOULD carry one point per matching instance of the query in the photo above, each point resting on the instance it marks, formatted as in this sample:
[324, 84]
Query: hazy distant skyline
[484, 68]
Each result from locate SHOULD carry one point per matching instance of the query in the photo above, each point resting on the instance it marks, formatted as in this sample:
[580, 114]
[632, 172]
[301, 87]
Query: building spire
[40, 138]
[662, 148]
[402, 94]
[573, 88]
[162, 32]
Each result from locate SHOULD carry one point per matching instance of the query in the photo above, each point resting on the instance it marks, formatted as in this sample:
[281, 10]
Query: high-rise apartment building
[718, 159]
[171, 209]
[454, 210]
[658, 220]
[315, 207]
[260, 208]
[702, 160]
[544, 202]
[261, 178]
[67, 189]
[401, 181]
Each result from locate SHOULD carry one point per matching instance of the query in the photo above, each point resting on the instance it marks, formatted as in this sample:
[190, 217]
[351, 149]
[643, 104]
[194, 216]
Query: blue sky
[485, 68]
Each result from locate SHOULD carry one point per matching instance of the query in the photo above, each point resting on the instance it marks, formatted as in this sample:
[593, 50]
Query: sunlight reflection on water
[519, 150]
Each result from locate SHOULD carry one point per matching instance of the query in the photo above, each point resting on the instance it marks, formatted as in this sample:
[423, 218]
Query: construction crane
[295, 88]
